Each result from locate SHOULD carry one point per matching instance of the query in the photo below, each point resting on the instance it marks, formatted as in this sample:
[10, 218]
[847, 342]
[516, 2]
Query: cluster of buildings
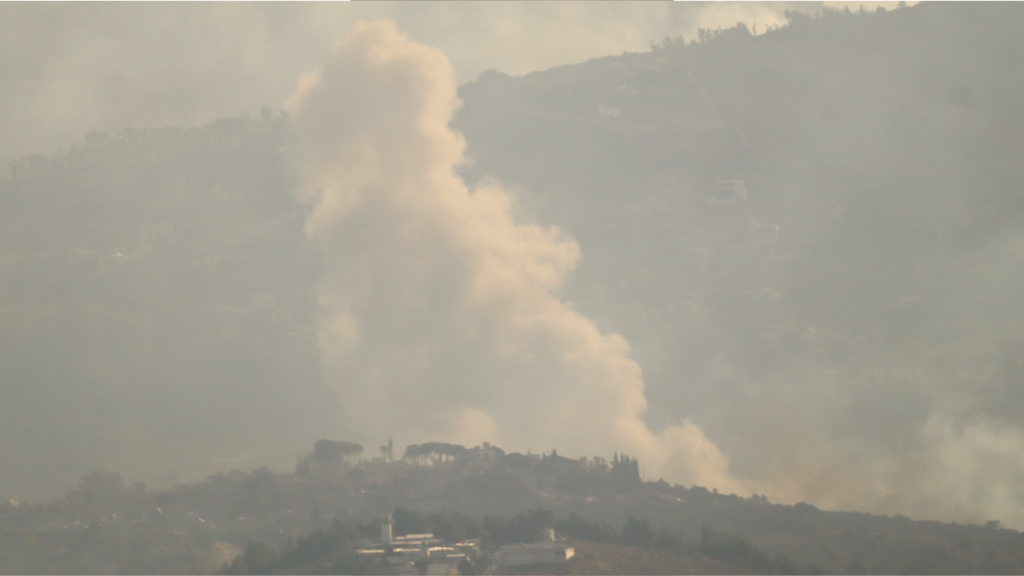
[419, 553]
[424, 554]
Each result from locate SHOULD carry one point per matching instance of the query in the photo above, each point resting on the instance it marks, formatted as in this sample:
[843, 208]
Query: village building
[548, 551]
[486, 452]
[413, 553]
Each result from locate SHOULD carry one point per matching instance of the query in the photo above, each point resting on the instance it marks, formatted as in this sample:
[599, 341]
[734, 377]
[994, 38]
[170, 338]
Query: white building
[407, 554]
[539, 553]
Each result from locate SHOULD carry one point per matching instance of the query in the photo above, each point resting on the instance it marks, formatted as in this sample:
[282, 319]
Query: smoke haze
[844, 330]
[440, 312]
[72, 68]
[564, 277]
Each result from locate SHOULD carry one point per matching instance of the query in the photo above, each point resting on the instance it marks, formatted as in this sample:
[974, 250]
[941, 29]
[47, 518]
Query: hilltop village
[834, 202]
[426, 554]
[443, 508]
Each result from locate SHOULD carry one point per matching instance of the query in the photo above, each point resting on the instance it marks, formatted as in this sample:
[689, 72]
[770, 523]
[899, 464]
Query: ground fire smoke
[441, 317]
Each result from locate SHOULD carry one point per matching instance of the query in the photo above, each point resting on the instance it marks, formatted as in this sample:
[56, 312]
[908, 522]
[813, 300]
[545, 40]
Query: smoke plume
[441, 317]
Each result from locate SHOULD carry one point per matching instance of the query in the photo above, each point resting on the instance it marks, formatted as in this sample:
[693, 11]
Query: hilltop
[808, 236]
[618, 522]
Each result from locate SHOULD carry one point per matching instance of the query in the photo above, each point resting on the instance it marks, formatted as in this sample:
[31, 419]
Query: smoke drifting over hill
[71, 68]
[846, 331]
[440, 313]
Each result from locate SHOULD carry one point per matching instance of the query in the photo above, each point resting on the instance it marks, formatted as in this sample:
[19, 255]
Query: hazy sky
[72, 68]
[397, 228]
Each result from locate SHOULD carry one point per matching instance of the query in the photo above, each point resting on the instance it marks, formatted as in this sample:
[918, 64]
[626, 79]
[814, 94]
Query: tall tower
[385, 529]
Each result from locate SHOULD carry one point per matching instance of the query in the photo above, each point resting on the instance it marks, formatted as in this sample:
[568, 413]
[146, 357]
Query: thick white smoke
[441, 318]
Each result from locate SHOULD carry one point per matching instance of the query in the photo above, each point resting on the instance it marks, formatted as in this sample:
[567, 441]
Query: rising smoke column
[440, 314]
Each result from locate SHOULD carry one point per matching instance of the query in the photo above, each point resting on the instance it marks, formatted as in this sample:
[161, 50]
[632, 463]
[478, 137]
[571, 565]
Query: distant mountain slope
[156, 306]
[847, 326]
[811, 237]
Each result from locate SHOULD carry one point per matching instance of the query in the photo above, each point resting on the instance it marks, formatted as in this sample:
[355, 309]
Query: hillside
[104, 526]
[811, 238]
[847, 324]
[156, 310]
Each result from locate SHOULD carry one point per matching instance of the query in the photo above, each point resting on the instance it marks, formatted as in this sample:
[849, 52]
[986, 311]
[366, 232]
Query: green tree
[258, 558]
[388, 451]
[667, 540]
[330, 450]
[637, 532]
